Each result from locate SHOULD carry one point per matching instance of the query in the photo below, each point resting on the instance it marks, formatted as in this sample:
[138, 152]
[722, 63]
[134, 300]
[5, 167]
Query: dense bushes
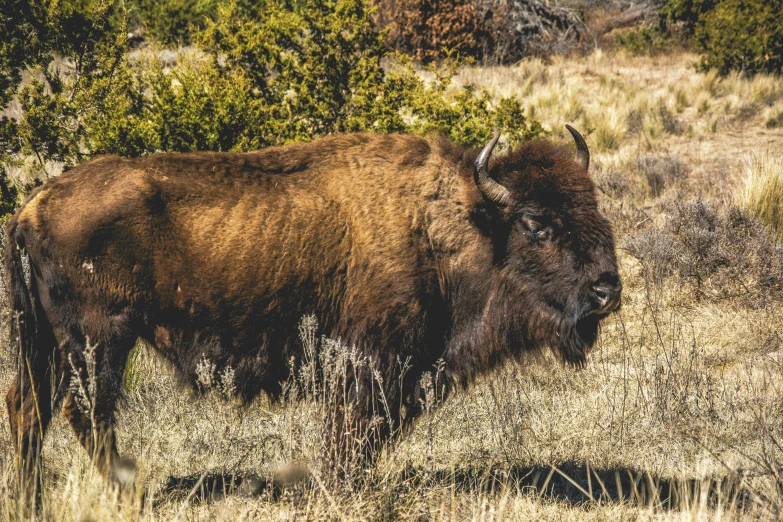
[492, 31]
[688, 12]
[86, 38]
[743, 35]
[171, 21]
[497, 31]
[645, 40]
[731, 35]
[249, 82]
[424, 28]
[734, 35]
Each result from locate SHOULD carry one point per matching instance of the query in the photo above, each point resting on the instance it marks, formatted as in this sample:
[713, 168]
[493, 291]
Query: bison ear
[489, 188]
[582, 152]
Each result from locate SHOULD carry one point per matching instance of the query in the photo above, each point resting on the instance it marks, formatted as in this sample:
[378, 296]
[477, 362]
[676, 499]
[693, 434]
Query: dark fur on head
[550, 246]
[556, 194]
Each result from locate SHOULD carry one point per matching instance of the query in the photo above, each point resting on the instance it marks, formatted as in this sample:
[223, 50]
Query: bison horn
[490, 189]
[582, 153]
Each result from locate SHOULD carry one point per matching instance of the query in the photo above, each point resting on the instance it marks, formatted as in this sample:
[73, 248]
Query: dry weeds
[676, 416]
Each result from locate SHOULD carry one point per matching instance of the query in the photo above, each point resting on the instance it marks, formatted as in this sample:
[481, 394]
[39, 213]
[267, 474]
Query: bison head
[553, 248]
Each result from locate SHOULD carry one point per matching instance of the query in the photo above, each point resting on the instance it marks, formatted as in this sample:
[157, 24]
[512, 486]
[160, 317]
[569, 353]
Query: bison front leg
[359, 417]
[90, 404]
[348, 440]
[96, 435]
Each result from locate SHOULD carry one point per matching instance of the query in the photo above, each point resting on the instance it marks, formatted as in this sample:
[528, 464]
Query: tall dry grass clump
[330, 375]
[761, 193]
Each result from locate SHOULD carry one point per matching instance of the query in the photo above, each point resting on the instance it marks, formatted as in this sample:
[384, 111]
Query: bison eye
[536, 231]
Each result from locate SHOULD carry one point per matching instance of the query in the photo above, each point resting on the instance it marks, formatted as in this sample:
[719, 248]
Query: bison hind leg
[30, 401]
[29, 405]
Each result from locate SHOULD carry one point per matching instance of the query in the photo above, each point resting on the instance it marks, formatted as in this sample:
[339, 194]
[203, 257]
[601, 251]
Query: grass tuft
[660, 171]
[761, 193]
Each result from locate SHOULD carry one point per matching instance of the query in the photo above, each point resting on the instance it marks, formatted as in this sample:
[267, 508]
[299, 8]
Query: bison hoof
[123, 474]
[289, 475]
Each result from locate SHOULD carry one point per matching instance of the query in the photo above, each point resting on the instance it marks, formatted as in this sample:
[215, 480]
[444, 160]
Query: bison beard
[576, 337]
[406, 248]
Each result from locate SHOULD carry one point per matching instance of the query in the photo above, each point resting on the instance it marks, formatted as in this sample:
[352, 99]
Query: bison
[405, 247]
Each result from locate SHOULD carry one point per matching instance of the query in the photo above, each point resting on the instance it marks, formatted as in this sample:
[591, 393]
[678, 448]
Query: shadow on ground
[570, 482]
[214, 486]
[580, 484]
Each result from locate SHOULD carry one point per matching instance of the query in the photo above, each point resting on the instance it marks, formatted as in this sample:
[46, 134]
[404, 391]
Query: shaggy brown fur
[386, 239]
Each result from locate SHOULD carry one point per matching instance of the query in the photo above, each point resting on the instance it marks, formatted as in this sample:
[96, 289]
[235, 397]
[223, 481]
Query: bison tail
[24, 322]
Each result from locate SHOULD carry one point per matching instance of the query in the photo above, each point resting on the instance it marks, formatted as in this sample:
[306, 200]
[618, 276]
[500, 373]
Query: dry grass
[680, 402]
[761, 193]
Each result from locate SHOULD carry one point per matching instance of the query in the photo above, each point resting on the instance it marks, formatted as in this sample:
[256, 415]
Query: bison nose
[606, 296]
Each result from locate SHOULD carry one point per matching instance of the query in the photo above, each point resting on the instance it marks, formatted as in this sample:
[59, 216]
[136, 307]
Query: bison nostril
[606, 296]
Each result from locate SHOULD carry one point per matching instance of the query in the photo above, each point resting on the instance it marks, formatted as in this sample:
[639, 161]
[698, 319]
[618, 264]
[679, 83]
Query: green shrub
[171, 21]
[88, 44]
[644, 40]
[285, 75]
[687, 12]
[733, 35]
[290, 76]
[743, 35]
